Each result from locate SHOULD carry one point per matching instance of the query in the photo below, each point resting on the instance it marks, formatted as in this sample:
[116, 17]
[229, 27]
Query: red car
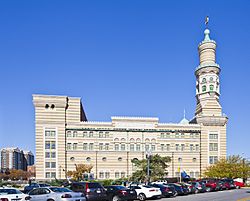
[238, 185]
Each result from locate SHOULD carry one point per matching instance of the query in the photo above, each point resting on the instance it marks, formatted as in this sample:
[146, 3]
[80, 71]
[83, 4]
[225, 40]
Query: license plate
[132, 192]
[98, 191]
[169, 191]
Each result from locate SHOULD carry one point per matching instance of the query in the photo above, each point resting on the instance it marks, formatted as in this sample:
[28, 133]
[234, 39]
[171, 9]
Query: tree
[157, 167]
[232, 167]
[77, 174]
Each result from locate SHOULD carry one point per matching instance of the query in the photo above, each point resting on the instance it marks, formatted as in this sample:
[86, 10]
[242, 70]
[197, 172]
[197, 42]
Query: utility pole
[148, 155]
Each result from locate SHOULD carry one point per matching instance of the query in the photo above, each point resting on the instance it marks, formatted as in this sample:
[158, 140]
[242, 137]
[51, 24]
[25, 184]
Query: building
[14, 158]
[64, 136]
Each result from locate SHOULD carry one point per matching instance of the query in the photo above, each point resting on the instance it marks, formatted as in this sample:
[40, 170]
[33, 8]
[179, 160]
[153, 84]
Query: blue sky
[124, 58]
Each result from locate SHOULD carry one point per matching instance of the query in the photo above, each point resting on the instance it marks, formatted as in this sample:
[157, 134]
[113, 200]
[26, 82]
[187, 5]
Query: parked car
[200, 186]
[33, 186]
[8, 194]
[230, 183]
[211, 185]
[167, 191]
[94, 191]
[119, 193]
[145, 192]
[179, 189]
[55, 194]
[238, 184]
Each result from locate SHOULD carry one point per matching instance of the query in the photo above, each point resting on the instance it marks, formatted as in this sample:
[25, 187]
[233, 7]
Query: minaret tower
[207, 79]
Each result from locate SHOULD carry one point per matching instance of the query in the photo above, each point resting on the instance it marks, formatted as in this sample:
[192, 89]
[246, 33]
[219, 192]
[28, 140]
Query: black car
[167, 191]
[33, 186]
[179, 189]
[118, 193]
[93, 191]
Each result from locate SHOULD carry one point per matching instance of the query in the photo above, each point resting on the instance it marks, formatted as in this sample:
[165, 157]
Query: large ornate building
[65, 138]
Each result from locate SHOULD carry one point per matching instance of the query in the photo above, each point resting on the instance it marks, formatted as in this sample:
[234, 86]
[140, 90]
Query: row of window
[204, 88]
[211, 79]
[87, 134]
[179, 135]
[192, 147]
[50, 175]
[213, 146]
[213, 136]
[50, 133]
[191, 174]
[213, 159]
[50, 145]
[106, 175]
[50, 154]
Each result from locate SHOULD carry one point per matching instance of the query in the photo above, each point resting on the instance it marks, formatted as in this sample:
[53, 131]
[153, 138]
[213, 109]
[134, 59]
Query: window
[146, 147]
[85, 146]
[192, 174]
[213, 159]
[91, 146]
[204, 80]
[100, 146]
[53, 165]
[213, 136]
[88, 159]
[50, 175]
[47, 144]
[106, 146]
[53, 154]
[104, 159]
[47, 174]
[47, 154]
[182, 135]
[177, 147]
[138, 147]
[91, 134]
[116, 147]
[107, 134]
[75, 146]
[120, 159]
[117, 174]
[47, 164]
[182, 147]
[197, 147]
[191, 147]
[162, 147]
[194, 159]
[168, 147]
[100, 134]
[211, 87]
[107, 175]
[132, 147]
[75, 134]
[72, 158]
[197, 174]
[122, 147]
[211, 79]
[213, 146]
[69, 146]
[69, 134]
[101, 174]
[152, 147]
[204, 88]
[50, 133]
[122, 174]
[168, 135]
[162, 135]
[191, 135]
[177, 135]
[179, 160]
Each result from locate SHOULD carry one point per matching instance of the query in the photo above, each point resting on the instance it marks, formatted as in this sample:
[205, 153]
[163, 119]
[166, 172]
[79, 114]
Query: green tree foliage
[158, 166]
[232, 167]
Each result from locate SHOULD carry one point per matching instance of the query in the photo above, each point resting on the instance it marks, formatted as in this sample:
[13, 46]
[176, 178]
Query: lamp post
[148, 155]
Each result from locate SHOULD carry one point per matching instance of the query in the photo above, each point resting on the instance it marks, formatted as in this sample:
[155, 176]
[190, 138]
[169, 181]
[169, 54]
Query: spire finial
[207, 32]
[206, 21]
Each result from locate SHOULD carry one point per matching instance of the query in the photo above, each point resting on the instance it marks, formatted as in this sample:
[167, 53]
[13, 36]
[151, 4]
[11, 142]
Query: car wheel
[115, 198]
[50, 200]
[142, 196]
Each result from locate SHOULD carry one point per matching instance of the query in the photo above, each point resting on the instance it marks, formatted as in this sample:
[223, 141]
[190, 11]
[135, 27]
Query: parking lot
[229, 195]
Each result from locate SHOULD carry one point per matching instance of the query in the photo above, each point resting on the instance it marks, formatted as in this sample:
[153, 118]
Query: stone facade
[64, 136]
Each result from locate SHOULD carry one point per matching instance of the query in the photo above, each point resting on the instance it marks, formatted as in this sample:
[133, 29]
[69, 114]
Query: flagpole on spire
[206, 21]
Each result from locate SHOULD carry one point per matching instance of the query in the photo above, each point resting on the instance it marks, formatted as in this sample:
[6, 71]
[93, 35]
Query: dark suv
[93, 191]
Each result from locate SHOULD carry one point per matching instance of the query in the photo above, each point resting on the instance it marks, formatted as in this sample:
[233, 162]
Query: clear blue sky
[124, 58]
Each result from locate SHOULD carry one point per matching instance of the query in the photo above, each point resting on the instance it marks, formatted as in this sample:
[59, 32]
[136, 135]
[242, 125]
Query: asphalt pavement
[227, 195]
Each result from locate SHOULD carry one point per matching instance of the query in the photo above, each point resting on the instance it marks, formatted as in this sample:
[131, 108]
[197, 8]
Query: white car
[9, 194]
[55, 194]
[145, 192]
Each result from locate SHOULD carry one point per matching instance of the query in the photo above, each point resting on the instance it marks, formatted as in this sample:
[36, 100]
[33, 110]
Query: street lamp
[148, 155]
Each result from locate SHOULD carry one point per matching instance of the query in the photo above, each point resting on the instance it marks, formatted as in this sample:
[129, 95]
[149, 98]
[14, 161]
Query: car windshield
[9, 191]
[44, 185]
[145, 186]
[60, 190]
[120, 187]
[94, 185]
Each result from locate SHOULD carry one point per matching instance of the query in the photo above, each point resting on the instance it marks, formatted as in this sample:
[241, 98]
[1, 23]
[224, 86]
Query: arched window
[204, 80]
[204, 88]
[211, 87]
[211, 79]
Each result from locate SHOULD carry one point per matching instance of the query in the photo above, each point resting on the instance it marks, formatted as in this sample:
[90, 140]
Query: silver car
[55, 194]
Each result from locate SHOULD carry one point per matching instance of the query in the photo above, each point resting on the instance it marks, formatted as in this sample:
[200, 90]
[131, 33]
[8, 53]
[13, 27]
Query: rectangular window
[177, 135]
[106, 146]
[162, 147]
[177, 147]
[50, 133]
[85, 146]
[191, 135]
[53, 175]
[122, 147]
[213, 159]
[132, 147]
[100, 134]
[146, 147]
[168, 147]
[182, 135]
[122, 174]
[138, 147]
[47, 174]
[101, 174]
[213, 146]
[91, 134]
[107, 175]
[168, 135]
[117, 175]
[53, 145]
[69, 146]
[75, 134]
[53, 165]
[47, 144]
[75, 146]
[47, 154]
[53, 154]
[116, 147]
[162, 135]
[84, 134]
[47, 164]
[191, 147]
[213, 136]
[152, 147]
[197, 147]
[91, 146]
[100, 146]
[107, 134]
[182, 147]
